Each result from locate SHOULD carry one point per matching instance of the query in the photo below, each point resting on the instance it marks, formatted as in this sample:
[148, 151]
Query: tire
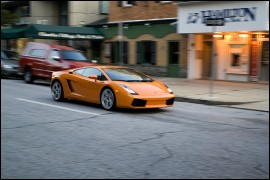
[107, 99]
[57, 91]
[28, 77]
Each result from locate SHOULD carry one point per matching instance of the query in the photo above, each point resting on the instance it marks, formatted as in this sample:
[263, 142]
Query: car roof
[103, 67]
[55, 46]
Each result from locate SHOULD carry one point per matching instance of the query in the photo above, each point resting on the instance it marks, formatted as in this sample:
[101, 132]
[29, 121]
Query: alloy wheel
[107, 99]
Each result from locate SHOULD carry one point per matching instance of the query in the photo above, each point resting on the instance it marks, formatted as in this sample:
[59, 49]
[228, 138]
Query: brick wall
[142, 10]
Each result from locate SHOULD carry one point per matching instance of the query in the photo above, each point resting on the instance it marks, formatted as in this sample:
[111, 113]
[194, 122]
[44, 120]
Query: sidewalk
[244, 95]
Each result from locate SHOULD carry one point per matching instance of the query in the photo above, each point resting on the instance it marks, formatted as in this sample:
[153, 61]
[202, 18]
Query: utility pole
[213, 22]
[120, 38]
[212, 75]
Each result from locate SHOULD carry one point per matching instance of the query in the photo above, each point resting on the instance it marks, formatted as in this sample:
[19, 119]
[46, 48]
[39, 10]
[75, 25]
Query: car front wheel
[107, 99]
[57, 91]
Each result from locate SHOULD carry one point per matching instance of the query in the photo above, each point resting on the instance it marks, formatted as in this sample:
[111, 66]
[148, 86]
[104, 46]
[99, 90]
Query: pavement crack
[168, 156]
[158, 136]
[258, 167]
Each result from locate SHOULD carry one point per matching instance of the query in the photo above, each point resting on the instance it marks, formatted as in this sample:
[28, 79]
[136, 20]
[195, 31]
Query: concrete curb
[218, 103]
[207, 102]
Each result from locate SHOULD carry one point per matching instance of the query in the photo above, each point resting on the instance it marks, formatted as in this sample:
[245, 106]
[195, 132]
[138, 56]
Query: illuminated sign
[237, 15]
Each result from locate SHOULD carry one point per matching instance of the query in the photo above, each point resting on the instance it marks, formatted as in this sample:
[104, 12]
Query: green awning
[12, 33]
[39, 31]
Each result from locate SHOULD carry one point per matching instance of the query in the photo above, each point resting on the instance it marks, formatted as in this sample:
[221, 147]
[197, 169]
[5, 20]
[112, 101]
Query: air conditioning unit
[44, 21]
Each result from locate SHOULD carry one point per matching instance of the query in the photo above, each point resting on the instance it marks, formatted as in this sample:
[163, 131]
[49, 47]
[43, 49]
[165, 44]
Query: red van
[40, 60]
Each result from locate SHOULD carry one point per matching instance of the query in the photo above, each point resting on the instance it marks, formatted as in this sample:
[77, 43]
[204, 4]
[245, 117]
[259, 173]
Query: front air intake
[138, 102]
[170, 101]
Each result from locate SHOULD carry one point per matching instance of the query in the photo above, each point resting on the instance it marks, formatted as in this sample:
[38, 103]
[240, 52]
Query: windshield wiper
[142, 80]
[146, 80]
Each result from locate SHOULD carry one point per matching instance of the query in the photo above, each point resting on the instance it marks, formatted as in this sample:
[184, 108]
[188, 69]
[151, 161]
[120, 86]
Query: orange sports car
[112, 87]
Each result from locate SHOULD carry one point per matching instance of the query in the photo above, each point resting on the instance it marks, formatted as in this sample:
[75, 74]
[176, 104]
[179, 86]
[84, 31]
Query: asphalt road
[41, 138]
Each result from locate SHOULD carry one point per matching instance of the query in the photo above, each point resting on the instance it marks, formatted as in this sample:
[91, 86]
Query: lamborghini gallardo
[112, 87]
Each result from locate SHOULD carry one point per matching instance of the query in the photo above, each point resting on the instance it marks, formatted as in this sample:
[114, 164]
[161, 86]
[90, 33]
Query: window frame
[101, 77]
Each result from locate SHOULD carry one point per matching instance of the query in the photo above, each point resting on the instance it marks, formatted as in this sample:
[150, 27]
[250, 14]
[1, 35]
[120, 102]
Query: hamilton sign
[225, 16]
[229, 15]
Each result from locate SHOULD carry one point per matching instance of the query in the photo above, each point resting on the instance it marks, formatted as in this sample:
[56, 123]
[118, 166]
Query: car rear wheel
[107, 99]
[28, 77]
[57, 91]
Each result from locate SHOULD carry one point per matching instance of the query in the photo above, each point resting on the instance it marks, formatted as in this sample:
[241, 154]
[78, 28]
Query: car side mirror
[95, 77]
[56, 58]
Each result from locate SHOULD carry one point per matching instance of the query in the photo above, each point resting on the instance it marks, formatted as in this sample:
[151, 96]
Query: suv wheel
[28, 77]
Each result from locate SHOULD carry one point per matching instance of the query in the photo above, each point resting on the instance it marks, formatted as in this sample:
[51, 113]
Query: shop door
[96, 51]
[115, 50]
[115, 53]
[206, 68]
[173, 53]
[264, 76]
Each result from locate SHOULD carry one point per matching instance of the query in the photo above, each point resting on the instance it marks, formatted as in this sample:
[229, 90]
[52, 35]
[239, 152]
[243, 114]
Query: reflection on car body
[112, 87]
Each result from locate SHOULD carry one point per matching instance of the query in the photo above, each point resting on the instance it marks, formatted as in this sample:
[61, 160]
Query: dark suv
[40, 60]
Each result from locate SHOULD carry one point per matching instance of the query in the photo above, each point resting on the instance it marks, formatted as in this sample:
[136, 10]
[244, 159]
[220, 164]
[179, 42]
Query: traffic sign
[215, 22]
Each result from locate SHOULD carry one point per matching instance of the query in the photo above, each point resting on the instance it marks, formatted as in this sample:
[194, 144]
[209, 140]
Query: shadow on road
[119, 110]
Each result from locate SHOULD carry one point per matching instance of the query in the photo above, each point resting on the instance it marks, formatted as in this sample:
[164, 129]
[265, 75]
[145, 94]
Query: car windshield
[126, 74]
[73, 55]
[9, 55]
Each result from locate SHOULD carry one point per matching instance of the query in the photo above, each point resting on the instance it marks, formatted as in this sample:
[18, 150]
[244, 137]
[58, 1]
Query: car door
[87, 87]
[37, 60]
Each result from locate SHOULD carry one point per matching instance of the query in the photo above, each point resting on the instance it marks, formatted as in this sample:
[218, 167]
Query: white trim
[125, 4]
[142, 20]
[164, 2]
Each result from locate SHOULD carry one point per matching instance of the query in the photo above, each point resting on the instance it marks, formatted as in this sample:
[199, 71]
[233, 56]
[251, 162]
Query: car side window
[94, 71]
[38, 53]
[80, 71]
[54, 53]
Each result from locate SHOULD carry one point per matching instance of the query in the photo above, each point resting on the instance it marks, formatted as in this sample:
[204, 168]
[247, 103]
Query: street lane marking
[50, 105]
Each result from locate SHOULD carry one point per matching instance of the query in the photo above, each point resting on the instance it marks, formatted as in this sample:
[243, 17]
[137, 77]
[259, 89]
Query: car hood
[146, 88]
[10, 62]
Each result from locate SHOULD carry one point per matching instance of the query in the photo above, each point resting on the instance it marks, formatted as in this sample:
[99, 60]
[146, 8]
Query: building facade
[237, 50]
[62, 13]
[142, 34]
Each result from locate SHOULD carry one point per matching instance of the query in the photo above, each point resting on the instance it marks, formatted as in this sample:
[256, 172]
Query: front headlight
[6, 66]
[128, 89]
[170, 91]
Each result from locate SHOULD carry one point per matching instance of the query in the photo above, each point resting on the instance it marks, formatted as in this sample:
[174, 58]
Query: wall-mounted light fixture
[218, 36]
[147, 24]
[243, 35]
[105, 26]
